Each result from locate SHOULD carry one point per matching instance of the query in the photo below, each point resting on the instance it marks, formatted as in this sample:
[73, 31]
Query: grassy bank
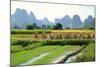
[28, 44]
[23, 56]
[88, 54]
[56, 53]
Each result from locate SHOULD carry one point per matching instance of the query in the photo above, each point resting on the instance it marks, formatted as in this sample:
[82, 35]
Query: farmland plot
[37, 47]
[25, 55]
[55, 34]
[56, 53]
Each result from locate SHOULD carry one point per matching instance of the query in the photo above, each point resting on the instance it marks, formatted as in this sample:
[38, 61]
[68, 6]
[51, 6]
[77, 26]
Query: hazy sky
[52, 11]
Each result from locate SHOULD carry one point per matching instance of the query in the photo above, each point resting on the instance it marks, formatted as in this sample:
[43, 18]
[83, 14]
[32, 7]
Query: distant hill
[76, 22]
[21, 18]
[89, 22]
[44, 21]
[66, 21]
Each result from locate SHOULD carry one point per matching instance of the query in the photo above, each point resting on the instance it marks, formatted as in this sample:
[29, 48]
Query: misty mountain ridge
[21, 19]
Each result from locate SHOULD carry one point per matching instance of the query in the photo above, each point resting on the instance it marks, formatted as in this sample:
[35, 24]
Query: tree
[44, 26]
[48, 27]
[54, 27]
[29, 27]
[58, 26]
[34, 25]
[16, 27]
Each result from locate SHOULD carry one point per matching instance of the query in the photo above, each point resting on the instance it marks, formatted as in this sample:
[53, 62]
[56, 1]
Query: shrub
[29, 27]
[22, 42]
[67, 42]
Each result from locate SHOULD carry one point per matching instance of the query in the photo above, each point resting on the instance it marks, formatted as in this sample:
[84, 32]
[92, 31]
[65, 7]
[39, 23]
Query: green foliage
[67, 42]
[29, 27]
[19, 45]
[17, 48]
[49, 27]
[54, 54]
[25, 44]
[30, 31]
[32, 46]
[34, 25]
[88, 54]
[25, 55]
[43, 26]
[21, 42]
[58, 26]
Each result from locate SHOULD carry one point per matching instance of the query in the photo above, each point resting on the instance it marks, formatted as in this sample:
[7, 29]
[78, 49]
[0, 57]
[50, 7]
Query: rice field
[87, 54]
[52, 34]
[56, 53]
[20, 57]
[28, 46]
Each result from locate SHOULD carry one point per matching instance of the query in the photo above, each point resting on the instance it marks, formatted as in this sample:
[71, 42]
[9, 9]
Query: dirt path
[72, 58]
[61, 57]
[67, 56]
[72, 55]
[35, 59]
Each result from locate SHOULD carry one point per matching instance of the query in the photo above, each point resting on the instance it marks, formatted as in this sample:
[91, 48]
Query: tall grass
[17, 48]
[56, 35]
[29, 31]
[20, 45]
[88, 54]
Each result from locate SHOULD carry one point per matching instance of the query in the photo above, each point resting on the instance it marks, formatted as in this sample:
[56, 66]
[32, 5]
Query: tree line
[57, 26]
